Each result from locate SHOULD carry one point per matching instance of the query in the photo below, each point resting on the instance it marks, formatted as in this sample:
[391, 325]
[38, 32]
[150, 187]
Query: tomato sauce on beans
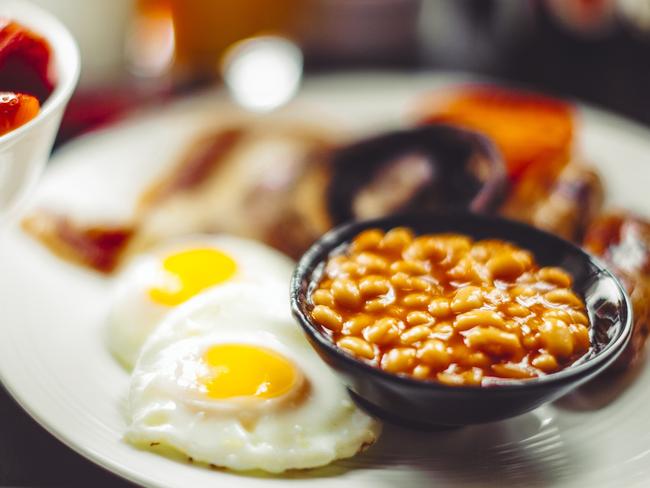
[442, 307]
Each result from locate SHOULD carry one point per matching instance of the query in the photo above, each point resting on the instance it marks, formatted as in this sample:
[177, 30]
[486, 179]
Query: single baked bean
[371, 263]
[439, 308]
[480, 252]
[478, 318]
[556, 338]
[495, 296]
[579, 317]
[464, 271]
[512, 370]
[559, 314]
[421, 372]
[530, 342]
[396, 311]
[522, 291]
[580, 335]
[493, 341]
[322, 297]
[356, 324]
[403, 281]
[367, 240]
[415, 334]
[372, 286]
[442, 330]
[478, 360]
[434, 353]
[473, 376]
[411, 268]
[333, 267]
[425, 248]
[505, 266]
[419, 318]
[489, 247]
[455, 243]
[459, 355]
[556, 276]
[564, 296]
[346, 293]
[451, 379]
[377, 305]
[383, 332]
[327, 317]
[398, 360]
[517, 310]
[545, 362]
[356, 346]
[350, 270]
[416, 300]
[396, 240]
[467, 298]
[528, 278]
[511, 325]
[524, 257]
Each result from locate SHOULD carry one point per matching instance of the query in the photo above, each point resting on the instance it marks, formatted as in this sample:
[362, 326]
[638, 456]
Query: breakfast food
[417, 169]
[24, 61]
[573, 201]
[442, 307]
[155, 282]
[233, 180]
[96, 246]
[534, 133]
[551, 188]
[229, 380]
[286, 183]
[530, 130]
[25, 78]
[16, 109]
[623, 241]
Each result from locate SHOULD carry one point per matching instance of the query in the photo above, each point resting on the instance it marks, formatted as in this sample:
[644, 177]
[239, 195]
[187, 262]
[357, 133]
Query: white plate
[53, 359]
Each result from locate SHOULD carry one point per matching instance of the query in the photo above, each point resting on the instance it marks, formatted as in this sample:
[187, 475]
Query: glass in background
[205, 29]
[100, 28]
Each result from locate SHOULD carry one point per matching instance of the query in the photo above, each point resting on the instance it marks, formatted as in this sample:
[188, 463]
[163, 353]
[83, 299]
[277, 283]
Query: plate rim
[585, 110]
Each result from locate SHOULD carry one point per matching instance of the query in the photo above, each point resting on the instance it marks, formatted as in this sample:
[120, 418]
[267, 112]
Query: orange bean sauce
[441, 307]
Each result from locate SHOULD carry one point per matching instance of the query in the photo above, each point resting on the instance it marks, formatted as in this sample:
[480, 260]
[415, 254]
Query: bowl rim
[65, 59]
[332, 239]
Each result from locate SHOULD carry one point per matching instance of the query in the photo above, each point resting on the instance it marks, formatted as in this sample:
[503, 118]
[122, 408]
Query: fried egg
[228, 379]
[154, 283]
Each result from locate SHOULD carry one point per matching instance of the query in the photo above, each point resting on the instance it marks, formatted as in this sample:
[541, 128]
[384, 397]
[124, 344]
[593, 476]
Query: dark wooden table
[30, 456]
[613, 72]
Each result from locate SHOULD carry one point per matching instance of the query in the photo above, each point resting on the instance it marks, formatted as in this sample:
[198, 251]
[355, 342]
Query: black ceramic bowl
[454, 169]
[414, 402]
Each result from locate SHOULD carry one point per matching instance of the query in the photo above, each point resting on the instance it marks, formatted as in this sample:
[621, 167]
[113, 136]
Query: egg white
[271, 435]
[133, 314]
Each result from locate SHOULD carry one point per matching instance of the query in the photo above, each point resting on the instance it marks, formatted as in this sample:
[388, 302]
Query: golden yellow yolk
[190, 272]
[241, 370]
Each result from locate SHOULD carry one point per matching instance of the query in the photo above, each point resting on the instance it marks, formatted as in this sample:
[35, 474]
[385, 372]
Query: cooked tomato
[16, 109]
[24, 61]
[528, 129]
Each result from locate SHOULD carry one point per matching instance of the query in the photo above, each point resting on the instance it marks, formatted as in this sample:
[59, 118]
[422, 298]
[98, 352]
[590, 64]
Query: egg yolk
[240, 370]
[190, 272]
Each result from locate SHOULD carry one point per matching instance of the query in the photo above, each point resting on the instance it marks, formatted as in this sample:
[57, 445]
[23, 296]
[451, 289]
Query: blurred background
[136, 52]
[139, 52]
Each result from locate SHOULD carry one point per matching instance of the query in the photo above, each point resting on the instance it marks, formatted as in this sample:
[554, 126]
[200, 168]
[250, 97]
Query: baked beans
[440, 307]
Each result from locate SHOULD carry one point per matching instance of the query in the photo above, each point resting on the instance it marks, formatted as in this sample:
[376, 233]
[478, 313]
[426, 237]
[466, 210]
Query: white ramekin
[25, 150]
